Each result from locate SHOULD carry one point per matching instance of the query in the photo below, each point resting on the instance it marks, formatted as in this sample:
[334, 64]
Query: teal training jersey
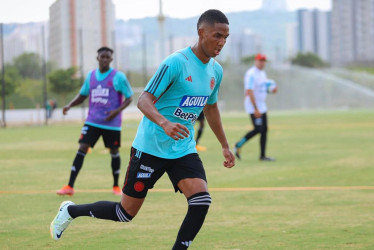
[182, 85]
[120, 84]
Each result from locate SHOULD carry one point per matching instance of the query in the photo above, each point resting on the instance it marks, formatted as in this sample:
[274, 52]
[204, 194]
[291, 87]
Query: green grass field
[332, 151]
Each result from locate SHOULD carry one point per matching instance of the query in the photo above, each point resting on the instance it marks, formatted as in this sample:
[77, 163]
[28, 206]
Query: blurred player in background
[186, 82]
[106, 88]
[256, 87]
[201, 120]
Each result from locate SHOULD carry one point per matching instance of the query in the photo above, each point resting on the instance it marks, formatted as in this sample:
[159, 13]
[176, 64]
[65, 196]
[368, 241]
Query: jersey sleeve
[85, 89]
[249, 81]
[166, 74]
[213, 98]
[122, 84]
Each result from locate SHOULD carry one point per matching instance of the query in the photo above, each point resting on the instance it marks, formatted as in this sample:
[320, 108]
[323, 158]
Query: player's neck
[103, 70]
[199, 53]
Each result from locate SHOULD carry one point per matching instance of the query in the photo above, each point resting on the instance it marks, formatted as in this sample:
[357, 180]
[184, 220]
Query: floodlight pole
[82, 68]
[45, 98]
[2, 75]
[161, 22]
[144, 59]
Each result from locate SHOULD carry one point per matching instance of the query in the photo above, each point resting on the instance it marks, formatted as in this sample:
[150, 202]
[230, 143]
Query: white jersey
[255, 79]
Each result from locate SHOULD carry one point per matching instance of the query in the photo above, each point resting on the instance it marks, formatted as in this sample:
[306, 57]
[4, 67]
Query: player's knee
[84, 147]
[114, 151]
[121, 213]
[200, 199]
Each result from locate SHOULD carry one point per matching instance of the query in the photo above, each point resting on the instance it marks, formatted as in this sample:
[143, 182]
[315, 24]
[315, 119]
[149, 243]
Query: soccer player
[255, 88]
[106, 88]
[201, 120]
[185, 83]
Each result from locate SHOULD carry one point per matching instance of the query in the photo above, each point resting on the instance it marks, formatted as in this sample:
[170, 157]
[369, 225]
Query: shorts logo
[141, 175]
[185, 115]
[139, 186]
[148, 169]
[84, 130]
[212, 82]
[193, 101]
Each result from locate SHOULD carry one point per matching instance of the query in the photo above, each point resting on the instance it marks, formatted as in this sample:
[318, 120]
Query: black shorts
[201, 116]
[144, 170]
[90, 135]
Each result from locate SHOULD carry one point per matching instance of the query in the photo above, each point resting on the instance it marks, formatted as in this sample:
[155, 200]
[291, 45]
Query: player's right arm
[79, 99]
[249, 92]
[249, 82]
[174, 130]
[161, 81]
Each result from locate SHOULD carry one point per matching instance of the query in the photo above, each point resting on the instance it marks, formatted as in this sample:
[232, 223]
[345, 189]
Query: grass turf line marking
[238, 189]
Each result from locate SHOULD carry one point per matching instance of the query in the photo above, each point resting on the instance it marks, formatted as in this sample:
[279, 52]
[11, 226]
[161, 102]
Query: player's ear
[200, 31]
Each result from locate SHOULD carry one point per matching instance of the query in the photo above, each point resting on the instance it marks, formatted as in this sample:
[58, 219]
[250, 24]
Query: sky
[23, 11]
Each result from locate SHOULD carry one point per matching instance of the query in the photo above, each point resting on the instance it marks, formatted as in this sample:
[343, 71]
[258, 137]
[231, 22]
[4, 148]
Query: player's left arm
[122, 85]
[213, 117]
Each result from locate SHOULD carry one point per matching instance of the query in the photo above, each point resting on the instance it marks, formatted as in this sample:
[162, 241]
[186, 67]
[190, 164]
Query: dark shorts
[90, 135]
[144, 170]
[201, 116]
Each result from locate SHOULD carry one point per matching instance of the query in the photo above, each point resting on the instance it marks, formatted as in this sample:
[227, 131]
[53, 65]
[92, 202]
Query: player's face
[213, 38]
[104, 58]
[260, 64]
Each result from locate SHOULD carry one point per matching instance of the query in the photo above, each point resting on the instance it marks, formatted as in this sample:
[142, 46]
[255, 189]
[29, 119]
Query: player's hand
[275, 90]
[229, 158]
[111, 114]
[257, 113]
[65, 110]
[175, 130]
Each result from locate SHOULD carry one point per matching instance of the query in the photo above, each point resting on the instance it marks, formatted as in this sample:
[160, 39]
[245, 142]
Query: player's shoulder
[216, 65]
[119, 73]
[177, 58]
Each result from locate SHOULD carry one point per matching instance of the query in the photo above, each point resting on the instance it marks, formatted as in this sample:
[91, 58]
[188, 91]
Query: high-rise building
[77, 29]
[314, 32]
[25, 38]
[352, 25]
[292, 40]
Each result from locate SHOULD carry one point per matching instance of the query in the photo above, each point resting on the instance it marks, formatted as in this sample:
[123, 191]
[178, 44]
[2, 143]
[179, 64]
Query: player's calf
[198, 205]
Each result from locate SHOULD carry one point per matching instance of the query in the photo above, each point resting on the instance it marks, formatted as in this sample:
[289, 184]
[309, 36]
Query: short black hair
[212, 16]
[105, 49]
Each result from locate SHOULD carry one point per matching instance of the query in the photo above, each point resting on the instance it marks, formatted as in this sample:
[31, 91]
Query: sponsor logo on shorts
[145, 168]
[84, 130]
[193, 101]
[188, 116]
[141, 175]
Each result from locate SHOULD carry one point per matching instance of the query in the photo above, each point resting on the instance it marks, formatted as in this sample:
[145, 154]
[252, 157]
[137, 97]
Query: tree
[12, 79]
[29, 65]
[64, 81]
[31, 89]
[248, 59]
[309, 60]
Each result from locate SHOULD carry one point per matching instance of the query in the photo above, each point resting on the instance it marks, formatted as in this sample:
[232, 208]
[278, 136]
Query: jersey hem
[103, 126]
[157, 154]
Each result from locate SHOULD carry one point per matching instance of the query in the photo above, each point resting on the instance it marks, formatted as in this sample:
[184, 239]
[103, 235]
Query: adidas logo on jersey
[189, 79]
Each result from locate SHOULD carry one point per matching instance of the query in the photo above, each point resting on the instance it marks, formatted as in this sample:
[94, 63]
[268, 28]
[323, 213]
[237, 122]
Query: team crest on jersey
[212, 82]
[193, 101]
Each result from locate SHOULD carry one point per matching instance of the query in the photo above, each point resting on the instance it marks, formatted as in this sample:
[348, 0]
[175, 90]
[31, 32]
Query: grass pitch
[331, 152]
